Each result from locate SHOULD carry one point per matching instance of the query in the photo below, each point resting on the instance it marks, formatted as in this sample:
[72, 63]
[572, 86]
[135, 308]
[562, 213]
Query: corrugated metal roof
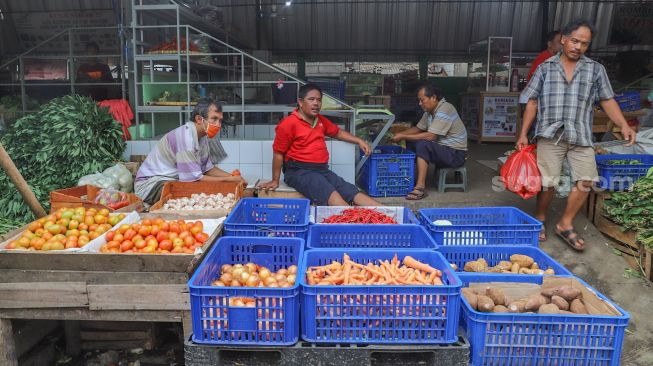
[383, 30]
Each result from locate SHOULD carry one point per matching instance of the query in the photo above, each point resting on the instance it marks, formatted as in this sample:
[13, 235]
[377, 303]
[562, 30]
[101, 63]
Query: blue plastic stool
[460, 174]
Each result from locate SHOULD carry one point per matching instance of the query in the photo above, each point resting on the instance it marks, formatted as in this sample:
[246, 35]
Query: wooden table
[603, 124]
[92, 286]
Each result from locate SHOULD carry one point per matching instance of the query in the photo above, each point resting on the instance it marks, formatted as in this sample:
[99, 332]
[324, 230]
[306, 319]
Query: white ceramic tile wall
[140, 147]
[266, 151]
[250, 152]
[251, 172]
[232, 148]
[229, 167]
[342, 152]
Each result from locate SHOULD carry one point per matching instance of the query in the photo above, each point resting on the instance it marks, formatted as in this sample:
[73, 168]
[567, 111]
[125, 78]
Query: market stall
[490, 109]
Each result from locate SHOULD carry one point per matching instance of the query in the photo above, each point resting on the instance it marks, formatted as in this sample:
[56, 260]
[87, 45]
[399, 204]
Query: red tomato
[165, 245]
[161, 236]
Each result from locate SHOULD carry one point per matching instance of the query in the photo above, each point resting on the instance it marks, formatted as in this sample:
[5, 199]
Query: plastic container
[380, 314]
[459, 255]
[538, 339]
[621, 177]
[275, 318]
[402, 215]
[269, 217]
[628, 101]
[388, 172]
[327, 236]
[481, 226]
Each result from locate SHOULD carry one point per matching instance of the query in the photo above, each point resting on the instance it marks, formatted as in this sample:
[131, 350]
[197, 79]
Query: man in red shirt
[300, 148]
[552, 48]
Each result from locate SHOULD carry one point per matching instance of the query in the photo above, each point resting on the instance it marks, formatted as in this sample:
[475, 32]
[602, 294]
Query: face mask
[212, 130]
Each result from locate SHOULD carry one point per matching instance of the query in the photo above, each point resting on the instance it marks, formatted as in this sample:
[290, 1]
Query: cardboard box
[173, 190]
[84, 196]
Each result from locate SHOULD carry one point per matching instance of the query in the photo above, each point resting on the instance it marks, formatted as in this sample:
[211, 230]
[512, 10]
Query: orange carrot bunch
[411, 272]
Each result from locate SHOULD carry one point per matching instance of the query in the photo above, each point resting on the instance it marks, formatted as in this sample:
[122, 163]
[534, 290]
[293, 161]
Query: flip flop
[416, 194]
[573, 242]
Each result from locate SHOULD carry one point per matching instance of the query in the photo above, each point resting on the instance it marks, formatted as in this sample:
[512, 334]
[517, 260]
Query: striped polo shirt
[445, 123]
[179, 155]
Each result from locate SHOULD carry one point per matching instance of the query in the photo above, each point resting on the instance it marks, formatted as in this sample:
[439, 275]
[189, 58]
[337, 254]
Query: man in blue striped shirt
[440, 137]
[562, 93]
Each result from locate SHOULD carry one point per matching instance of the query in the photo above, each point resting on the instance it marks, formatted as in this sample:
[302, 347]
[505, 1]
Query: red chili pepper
[359, 215]
[118, 205]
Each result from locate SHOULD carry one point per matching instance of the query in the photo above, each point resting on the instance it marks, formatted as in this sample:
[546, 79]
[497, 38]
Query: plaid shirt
[567, 105]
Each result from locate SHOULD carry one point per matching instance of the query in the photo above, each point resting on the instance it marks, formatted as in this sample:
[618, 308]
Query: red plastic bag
[520, 173]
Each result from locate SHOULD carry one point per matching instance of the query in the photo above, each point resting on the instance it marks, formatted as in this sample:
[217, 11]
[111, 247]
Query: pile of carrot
[172, 46]
[359, 215]
[412, 272]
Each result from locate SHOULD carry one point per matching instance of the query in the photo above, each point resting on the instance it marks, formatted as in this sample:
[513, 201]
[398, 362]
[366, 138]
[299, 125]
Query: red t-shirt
[543, 56]
[298, 140]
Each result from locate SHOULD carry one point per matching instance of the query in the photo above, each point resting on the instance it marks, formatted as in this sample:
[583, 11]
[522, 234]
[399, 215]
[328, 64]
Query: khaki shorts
[550, 157]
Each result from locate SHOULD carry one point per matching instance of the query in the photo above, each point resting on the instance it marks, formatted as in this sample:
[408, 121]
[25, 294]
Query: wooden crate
[84, 196]
[624, 241]
[173, 190]
[647, 263]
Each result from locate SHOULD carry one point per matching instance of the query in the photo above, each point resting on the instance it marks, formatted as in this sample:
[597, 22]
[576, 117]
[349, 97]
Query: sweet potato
[548, 309]
[517, 306]
[533, 302]
[495, 269]
[514, 268]
[474, 266]
[471, 297]
[497, 295]
[561, 303]
[500, 309]
[504, 265]
[485, 304]
[535, 265]
[568, 293]
[577, 307]
[522, 260]
[549, 271]
[566, 312]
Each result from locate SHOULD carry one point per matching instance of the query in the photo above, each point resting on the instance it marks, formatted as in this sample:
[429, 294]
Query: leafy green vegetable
[625, 162]
[67, 138]
[633, 209]
[6, 225]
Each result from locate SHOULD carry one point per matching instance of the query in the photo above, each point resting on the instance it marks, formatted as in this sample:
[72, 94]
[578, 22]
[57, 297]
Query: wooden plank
[94, 262]
[43, 295]
[94, 277]
[72, 333]
[625, 241]
[7, 346]
[141, 335]
[89, 346]
[187, 324]
[30, 333]
[173, 316]
[114, 326]
[647, 263]
[138, 297]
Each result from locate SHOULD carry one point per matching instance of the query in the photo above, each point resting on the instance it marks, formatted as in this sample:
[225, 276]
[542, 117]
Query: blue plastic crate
[268, 217]
[621, 177]
[380, 314]
[459, 255]
[335, 88]
[481, 226]
[319, 213]
[388, 172]
[536, 339]
[275, 318]
[628, 101]
[326, 236]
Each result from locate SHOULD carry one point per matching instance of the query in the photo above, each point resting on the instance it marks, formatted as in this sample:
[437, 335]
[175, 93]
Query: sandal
[416, 194]
[542, 235]
[572, 238]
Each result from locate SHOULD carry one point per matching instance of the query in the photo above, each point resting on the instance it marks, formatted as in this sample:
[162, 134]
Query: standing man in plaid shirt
[562, 93]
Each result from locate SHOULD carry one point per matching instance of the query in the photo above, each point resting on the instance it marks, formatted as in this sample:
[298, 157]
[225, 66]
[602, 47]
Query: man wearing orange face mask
[183, 155]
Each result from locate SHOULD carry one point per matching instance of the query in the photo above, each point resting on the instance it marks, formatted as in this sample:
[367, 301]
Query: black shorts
[439, 155]
[316, 182]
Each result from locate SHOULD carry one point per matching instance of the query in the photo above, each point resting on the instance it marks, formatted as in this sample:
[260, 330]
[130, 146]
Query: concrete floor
[597, 265]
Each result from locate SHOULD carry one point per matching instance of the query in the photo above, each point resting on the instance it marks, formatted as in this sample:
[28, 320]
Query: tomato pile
[66, 228]
[156, 236]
